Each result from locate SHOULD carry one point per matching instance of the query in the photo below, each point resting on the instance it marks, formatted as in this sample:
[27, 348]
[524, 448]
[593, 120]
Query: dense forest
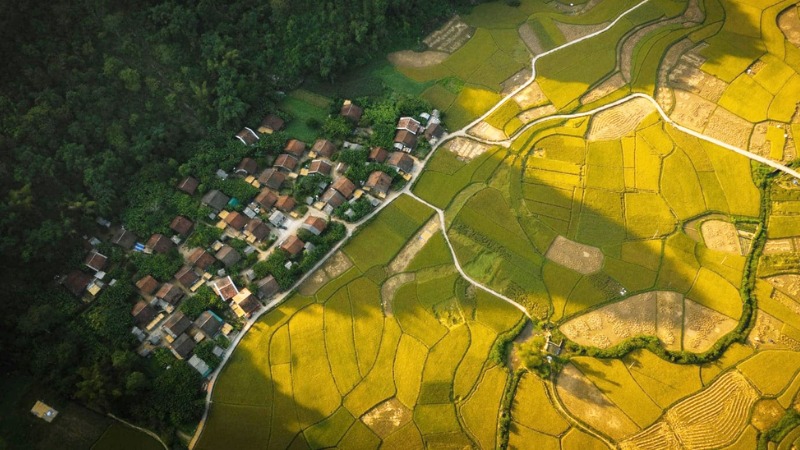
[103, 105]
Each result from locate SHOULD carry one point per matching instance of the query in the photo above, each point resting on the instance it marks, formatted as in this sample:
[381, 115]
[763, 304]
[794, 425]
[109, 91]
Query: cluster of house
[409, 129]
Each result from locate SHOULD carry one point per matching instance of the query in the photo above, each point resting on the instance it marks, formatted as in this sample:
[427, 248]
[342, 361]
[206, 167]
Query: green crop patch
[440, 368]
[330, 431]
[532, 408]
[485, 397]
[715, 292]
[414, 319]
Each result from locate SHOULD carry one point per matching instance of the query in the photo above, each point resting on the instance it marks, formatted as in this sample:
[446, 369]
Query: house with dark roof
[208, 323]
[272, 178]
[292, 245]
[257, 229]
[267, 287]
[266, 199]
[236, 220]
[77, 282]
[169, 293]
[142, 313]
[286, 162]
[351, 111]
[405, 140]
[147, 285]
[378, 154]
[378, 183]
[181, 225]
[188, 185]
[215, 200]
[295, 148]
[228, 255]
[434, 132]
[182, 346]
[95, 261]
[176, 324]
[245, 303]
[124, 239]
[344, 186]
[314, 225]
[409, 124]
[401, 161]
[333, 198]
[200, 258]
[271, 124]
[225, 288]
[323, 148]
[319, 166]
[247, 136]
[159, 243]
[247, 166]
[285, 203]
[187, 276]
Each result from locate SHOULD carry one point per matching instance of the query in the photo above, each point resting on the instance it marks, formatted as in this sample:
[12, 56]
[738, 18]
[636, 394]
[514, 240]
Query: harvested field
[610, 325]
[722, 236]
[536, 113]
[409, 58]
[608, 86]
[703, 326]
[768, 333]
[337, 265]
[531, 96]
[581, 258]
[465, 148]
[691, 110]
[574, 32]
[777, 246]
[687, 76]
[389, 288]
[729, 128]
[530, 39]
[450, 37]
[766, 414]
[515, 81]
[387, 417]
[711, 419]
[485, 131]
[584, 399]
[669, 319]
[313, 283]
[617, 122]
[789, 284]
[402, 260]
[664, 95]
[789, 23]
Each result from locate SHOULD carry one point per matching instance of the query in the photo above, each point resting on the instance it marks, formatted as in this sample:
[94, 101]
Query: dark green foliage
[203, 236]
[109, 317]
[360, 207]
[499, 352]
[153, 205]
[162, 266]
[235, 188]
[309, 186]
[202, 300]
[776, 434]
[176, 398]
[337, 127]
[205, 351]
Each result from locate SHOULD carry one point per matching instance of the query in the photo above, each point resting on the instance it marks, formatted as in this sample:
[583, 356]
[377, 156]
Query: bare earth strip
[411, 249]
[466, 149]
[617, 122]
[450, 37]
[572, 32]
[789, 23]
[581, 258]
[389, 288]
[531, 96]
[530, 39]
[722, 236]
[485, 131]
[387, 417]
[606, 87]
[536, 113]
[669, 319]
[408, 58]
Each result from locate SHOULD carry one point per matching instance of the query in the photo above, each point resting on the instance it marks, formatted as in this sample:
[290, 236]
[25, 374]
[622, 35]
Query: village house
[267, 287]
[236, 220]
[378, 184]
[176, 324]
[295, 148]
[200, 258]
[277, 218]
[228, 255]
[332, 200]
[401, 161]
[409, 124]
[286, 162]
[323, 148]
[215, 200]
[181, 225]
[225, 288]
[188, 185]
[434, 132]
[169, 293]
[124, 239]
[292, 245]
[158, 243]
[272, 178]
[319, 166]
[77, 282]
[247, 136]
[266, 199]
[247, 166]
[405, 140]
[271, 124]
[142, 313]
[378, 155]
[208, 323]
[147, 285]
[182, 346]
[314, 225]
[187, 276]
[285, 203]
[257, 229]
[96, 261]
[351, 111]
[344, 186]
[244, 304]
[199, 365]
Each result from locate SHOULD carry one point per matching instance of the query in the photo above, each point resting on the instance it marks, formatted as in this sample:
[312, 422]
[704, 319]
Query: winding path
[351, 228]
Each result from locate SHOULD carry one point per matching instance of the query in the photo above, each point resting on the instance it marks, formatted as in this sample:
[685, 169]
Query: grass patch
[121, 437]
[302, 110]
[434, 253]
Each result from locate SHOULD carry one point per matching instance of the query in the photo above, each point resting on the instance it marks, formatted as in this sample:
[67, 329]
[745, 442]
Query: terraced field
[653, 249]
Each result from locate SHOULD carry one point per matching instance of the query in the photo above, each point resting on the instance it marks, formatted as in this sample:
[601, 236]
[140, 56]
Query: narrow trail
[462, 132]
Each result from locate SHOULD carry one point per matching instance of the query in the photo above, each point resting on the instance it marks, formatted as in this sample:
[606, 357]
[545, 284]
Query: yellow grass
[532, 408]
[663, 382]
[771, 370]
[340, 343]
[378, 385]
[408, 365]
[579, 440]
[481, 341]
[480, 410]
[734, 354]
[715, 292]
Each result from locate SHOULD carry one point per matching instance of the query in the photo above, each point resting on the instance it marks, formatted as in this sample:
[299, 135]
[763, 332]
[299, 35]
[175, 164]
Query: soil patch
[403, 259]
[789, 284]
[691, 110]
[536, 113]
[669, 319]
[703, 327]
[312, 284]
[687, 76]
[409, 58]
[465, 148]
[767, 334]
[485, 131]
[614, 83]
[387, 417]
[789, 23]
[450, 37]
[766, 414]
[574, 32]
[531, 96]
[778, 246]
[620, 120]
[515, 81]
[530, 39]
[610, 325]
[337, 265]
[664, 95]
[722, 236]
[581, 258]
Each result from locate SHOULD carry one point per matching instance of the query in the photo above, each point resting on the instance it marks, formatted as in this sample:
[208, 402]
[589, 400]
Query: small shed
[188, 185]
[323, 148]
[271, 124]
[44, 411]
[247, 136]
[351, 111]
